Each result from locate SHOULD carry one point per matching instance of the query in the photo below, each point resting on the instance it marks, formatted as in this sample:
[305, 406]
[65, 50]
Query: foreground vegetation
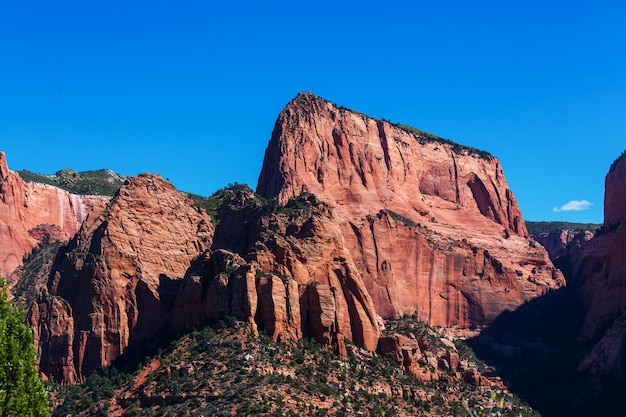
[224, 370]
[21, 391]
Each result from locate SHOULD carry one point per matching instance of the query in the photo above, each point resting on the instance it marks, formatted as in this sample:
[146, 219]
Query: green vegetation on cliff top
[423, 137]
[100, 182]
[550, 227]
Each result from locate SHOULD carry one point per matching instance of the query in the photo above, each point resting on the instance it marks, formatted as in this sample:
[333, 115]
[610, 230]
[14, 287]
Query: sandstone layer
[27, 208]
[432, 226]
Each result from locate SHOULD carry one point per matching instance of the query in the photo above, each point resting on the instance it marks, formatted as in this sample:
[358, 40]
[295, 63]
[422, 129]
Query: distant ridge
[100, 182]
[550, 227]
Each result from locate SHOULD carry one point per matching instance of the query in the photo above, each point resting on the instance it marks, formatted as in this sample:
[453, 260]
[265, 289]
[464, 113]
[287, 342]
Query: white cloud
[574, 205]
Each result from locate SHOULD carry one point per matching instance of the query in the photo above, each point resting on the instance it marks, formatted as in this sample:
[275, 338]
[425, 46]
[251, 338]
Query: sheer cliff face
[432, 227]
[26, 208]
[116, 282]
[599, 273]
[614, 196]
[319, 148]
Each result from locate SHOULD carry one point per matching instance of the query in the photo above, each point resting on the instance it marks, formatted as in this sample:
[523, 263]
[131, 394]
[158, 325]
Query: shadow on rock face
[535, 350]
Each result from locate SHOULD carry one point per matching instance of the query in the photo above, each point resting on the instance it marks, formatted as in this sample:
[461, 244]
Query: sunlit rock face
[289, 275]
[116, 282]
[27, 209]
[432, 226]
[151, 263]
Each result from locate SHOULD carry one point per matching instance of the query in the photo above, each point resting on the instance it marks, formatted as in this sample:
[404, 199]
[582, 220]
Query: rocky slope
[432, 226]
[229, 371]
[28, 209]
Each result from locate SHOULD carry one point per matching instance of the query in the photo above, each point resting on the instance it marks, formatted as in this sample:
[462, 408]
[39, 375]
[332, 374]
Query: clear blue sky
[191, 89]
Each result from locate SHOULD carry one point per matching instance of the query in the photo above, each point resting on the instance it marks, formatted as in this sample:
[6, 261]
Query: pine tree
[21, 391]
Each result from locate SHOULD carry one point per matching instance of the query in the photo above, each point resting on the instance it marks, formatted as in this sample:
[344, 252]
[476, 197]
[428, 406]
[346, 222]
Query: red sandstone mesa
[407, 224]
[432, 226]
[297, 279]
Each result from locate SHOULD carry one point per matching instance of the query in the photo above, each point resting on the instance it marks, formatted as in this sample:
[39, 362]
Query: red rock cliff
[432, 226]
[151, 262]
[614, 196]
[25, 207]
[599, 272]
[294, 277]
[117, 281]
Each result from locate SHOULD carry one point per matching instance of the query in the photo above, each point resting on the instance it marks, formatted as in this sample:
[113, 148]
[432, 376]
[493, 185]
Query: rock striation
[31, 211]
[431, 225]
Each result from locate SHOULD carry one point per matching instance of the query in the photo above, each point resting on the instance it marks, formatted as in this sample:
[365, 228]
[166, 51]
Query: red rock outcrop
[26, 209]
[432, 226]
[428, 363]
[599, 273]
[148, 263]
[297, 278]
[117, 281]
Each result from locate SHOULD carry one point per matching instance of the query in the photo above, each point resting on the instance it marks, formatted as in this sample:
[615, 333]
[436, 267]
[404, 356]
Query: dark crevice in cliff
[481, 196]
[359, 237]
[456, 180]
[384, 144]
[371, 227]
[357, 163]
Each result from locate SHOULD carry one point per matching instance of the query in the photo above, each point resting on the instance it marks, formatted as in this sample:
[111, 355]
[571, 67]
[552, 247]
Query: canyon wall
[558, 241]
[431, 225]
[151, 264]
[31, 211]
[117, 280]
[599, 275]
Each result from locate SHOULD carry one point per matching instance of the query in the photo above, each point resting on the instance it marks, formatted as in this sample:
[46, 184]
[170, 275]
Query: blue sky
[191, 89]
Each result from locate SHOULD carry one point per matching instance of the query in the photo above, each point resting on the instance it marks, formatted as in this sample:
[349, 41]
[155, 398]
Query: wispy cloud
[574, 205]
